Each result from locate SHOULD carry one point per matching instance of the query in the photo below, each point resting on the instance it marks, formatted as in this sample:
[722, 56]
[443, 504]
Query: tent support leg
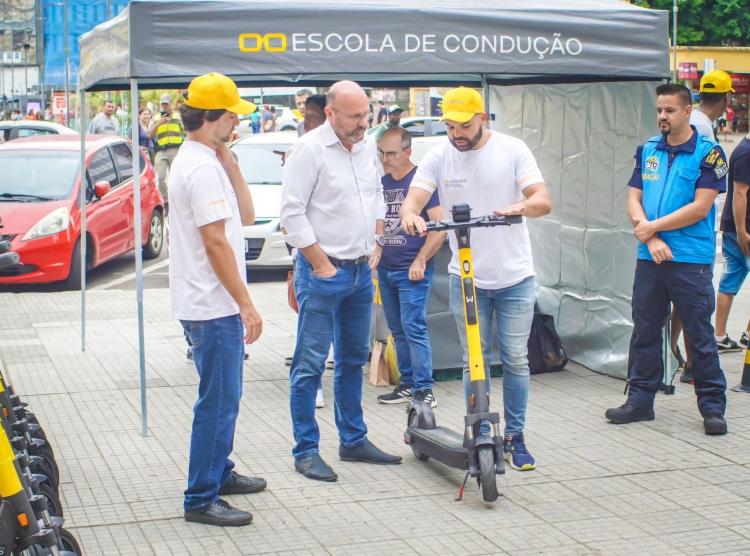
[82, 206]
[134, 131]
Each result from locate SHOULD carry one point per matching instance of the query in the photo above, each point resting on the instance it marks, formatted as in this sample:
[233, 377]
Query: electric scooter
[481, 455]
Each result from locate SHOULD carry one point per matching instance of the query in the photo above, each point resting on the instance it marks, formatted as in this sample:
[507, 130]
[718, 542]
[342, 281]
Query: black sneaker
[726, 345]
[626, 413]
[400, 394]
[189, 354]
[744, 340]
[220, 513]
[715, 425]
[425, 396]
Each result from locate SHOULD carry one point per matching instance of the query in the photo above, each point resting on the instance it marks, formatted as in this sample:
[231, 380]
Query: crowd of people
[354, 208]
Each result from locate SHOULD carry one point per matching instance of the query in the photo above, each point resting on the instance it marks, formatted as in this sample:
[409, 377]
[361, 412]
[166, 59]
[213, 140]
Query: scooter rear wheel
[414, 422]
[487, 473]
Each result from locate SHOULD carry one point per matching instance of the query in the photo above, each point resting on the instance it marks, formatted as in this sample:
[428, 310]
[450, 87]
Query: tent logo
[255, 42]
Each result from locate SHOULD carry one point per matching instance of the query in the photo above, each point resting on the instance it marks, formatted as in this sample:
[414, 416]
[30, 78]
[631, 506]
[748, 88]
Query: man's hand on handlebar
[414, 225]
[514, 209]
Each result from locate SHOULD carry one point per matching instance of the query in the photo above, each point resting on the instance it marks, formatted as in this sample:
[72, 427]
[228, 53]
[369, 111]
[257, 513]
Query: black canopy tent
[165, 43]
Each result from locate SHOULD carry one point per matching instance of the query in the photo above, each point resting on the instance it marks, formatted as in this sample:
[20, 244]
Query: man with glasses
[405, 273]
[331, 210]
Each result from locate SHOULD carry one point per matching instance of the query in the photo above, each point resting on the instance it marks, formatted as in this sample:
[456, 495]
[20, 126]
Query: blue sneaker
[516, 454]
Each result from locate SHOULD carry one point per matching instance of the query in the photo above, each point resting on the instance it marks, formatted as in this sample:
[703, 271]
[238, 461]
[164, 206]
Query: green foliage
[707, 22]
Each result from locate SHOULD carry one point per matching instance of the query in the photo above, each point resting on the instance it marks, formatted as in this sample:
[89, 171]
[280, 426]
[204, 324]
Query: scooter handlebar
[478, 222]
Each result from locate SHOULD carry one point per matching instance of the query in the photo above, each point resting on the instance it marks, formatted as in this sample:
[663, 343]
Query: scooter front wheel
[487, 473]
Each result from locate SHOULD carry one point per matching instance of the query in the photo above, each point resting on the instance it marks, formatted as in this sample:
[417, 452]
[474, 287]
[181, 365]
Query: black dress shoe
[239, 484]
[220, 513]
[313, 467]
[367, 453]
[626, 413]
[715, 425]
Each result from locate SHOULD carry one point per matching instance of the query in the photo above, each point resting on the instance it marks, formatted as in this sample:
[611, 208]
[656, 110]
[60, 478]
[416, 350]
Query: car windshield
[260, 163]
[37, 175]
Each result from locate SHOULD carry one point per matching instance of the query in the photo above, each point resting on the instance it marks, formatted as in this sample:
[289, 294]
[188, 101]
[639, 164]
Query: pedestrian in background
[144, 120]
[168, 134]
[105, 123]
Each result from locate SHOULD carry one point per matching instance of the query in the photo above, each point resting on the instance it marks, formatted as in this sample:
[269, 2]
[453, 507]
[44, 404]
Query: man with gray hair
[300, 99]
[332, 209]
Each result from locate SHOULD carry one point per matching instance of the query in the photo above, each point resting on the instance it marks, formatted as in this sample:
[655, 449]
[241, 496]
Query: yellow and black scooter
[480, 454]
[26, 524]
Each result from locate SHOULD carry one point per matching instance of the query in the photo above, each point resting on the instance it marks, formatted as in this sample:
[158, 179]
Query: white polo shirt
[200, 193]
[331, 195]
[492, 177]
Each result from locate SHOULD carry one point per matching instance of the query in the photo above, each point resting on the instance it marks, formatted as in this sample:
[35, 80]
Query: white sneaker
[319, 401]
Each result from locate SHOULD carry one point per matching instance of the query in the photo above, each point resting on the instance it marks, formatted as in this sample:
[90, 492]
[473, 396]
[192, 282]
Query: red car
[39, 208]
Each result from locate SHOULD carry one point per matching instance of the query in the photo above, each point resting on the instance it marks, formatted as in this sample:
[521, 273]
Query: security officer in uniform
[674, 184]
[168, 134]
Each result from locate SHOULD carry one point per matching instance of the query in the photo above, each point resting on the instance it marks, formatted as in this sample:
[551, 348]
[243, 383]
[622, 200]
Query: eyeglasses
[353, 117]
[389, 155]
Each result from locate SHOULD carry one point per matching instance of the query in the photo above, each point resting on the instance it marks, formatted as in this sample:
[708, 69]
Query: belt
[345, 262]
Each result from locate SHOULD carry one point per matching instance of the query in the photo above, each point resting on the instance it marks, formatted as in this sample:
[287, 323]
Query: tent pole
[135, 137]
[486, 93]
[82, 201]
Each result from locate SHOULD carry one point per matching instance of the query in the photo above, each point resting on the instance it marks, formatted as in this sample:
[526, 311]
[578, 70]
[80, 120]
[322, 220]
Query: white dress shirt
[331, 195]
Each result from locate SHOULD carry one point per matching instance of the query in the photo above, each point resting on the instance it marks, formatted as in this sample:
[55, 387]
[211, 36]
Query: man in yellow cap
[210, 204]
[493, 173]
[714, 87]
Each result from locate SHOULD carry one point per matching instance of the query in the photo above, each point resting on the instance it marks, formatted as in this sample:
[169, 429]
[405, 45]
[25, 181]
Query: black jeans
[690, 288]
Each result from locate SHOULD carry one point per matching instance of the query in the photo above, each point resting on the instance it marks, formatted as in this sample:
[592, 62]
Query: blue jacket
[668, 188]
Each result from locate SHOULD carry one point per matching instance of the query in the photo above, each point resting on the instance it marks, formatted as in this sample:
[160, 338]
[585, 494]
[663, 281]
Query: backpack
[546, 353]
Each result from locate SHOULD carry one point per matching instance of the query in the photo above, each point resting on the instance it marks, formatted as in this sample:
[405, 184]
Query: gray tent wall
[585, 104]
[583, 136]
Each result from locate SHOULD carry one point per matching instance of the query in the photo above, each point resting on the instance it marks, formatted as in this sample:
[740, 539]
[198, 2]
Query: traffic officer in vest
[168, 134]
[674, 184]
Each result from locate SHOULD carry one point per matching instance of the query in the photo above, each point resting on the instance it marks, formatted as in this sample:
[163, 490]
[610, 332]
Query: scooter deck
[442, 444]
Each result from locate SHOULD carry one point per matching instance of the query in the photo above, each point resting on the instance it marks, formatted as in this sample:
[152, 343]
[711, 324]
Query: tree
[707, 22]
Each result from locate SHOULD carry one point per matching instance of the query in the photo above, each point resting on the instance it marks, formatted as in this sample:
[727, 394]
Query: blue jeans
[335, 310]
[513, 311]
[218, 351]
[690, 288]
[405, 306]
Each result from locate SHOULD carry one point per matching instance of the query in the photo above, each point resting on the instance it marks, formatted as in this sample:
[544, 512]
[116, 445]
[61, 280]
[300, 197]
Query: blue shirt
[669, 176]
[400, 249]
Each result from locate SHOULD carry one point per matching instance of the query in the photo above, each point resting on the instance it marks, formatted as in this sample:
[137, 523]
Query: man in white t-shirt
[493, 173]
[714, 88]
[209, 204]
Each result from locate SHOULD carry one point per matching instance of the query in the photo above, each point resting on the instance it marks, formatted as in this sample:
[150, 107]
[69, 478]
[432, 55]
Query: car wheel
[73, 281]
[155, 240]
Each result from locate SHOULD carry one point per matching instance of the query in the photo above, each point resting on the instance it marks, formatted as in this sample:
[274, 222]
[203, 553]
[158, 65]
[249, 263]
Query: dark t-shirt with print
[739, 170]
[400, 248]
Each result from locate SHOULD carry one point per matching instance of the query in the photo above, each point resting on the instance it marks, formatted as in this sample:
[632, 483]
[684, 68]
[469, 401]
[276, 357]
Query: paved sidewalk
[656, 488]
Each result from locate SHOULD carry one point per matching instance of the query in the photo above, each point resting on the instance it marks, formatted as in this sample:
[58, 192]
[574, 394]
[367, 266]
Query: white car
[260, 157]
[418, 126]
[10, 130]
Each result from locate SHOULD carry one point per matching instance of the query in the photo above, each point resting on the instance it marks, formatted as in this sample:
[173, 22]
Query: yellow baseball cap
[716, 81]
[214, 91]
[461, 104]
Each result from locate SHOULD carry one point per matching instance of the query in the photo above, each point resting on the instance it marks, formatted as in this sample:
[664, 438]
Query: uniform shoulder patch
[717, 162]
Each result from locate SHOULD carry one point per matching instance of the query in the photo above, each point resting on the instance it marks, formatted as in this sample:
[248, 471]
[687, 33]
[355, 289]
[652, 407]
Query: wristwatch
[379, 239]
